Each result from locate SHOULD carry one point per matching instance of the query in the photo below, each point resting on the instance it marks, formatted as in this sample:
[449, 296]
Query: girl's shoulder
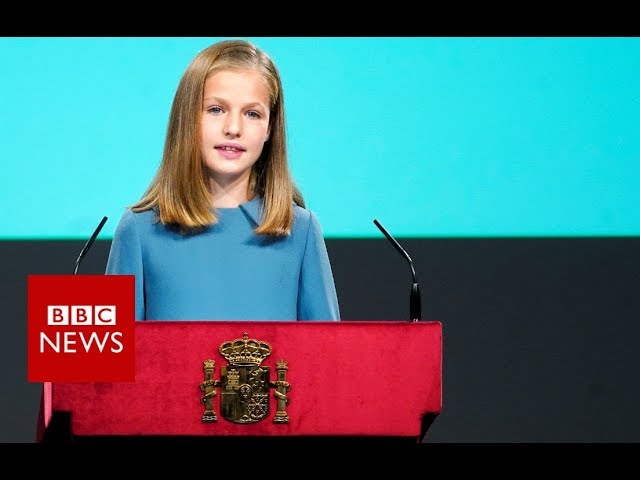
[131, 221]
[146, 216]
[301, 216]
[305, 219]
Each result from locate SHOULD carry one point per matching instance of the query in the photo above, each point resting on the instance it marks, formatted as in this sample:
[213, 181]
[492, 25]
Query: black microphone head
[87, 245]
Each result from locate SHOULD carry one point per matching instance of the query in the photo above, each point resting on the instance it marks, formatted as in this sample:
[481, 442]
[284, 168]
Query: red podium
[260, 381]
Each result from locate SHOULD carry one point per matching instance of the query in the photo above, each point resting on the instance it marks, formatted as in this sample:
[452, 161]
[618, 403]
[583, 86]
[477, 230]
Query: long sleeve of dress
[317, 298]
[125, 257]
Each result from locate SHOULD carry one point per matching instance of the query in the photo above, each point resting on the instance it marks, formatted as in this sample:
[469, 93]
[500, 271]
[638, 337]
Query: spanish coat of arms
[245, 383]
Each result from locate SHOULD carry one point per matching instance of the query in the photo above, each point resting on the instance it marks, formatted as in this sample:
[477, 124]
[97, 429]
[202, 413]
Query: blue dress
[226, 272]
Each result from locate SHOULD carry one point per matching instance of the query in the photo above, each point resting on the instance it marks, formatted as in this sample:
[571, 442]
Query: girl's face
[235, 124]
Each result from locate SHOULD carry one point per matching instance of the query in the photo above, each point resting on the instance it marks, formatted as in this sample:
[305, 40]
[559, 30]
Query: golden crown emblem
[245, 351]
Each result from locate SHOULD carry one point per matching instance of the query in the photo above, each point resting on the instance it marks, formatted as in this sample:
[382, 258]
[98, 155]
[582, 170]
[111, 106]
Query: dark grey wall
[541, 336]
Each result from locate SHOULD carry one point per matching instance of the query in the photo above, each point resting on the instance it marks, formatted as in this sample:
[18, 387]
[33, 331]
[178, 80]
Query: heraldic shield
[245, 383]
[244, 396]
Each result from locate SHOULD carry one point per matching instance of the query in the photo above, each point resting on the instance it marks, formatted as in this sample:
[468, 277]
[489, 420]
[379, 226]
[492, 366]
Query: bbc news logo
[81, 328]
[82, 316]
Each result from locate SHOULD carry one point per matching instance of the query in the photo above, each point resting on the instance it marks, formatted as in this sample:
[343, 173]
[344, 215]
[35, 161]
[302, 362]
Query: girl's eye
[253, 114]
[215, 110]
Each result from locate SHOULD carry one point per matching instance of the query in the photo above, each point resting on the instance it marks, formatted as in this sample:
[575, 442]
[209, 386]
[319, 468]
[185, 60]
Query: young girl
[222, 232]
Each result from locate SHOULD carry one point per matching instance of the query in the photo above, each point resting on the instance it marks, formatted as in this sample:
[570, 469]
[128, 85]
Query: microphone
[87, 246]
[414, 298]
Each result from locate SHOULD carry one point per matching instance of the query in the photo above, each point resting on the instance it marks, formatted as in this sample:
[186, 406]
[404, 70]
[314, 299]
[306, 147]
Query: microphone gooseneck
[87, 246]
[415, 304]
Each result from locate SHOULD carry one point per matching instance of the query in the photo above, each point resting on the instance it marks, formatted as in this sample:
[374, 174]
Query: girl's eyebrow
[221, 100]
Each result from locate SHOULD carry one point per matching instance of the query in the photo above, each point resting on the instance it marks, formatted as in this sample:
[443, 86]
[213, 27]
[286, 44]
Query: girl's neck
[229, 195]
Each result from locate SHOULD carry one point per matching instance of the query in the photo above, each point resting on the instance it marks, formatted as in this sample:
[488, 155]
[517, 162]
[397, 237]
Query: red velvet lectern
[341, 380]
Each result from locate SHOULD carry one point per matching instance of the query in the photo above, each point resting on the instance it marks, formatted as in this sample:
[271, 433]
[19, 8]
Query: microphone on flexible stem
[414, 298]
[87, 246]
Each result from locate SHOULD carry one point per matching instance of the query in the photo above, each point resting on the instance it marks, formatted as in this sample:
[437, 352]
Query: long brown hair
[179, 189]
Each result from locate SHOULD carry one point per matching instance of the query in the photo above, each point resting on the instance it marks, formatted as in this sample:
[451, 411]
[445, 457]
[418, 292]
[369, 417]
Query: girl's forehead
[238, 81]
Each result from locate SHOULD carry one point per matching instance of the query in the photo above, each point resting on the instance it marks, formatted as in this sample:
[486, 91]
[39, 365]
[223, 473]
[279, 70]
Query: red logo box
[81, 328]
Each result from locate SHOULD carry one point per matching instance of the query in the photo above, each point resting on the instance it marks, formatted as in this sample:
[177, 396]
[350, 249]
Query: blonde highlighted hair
[179, 189]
